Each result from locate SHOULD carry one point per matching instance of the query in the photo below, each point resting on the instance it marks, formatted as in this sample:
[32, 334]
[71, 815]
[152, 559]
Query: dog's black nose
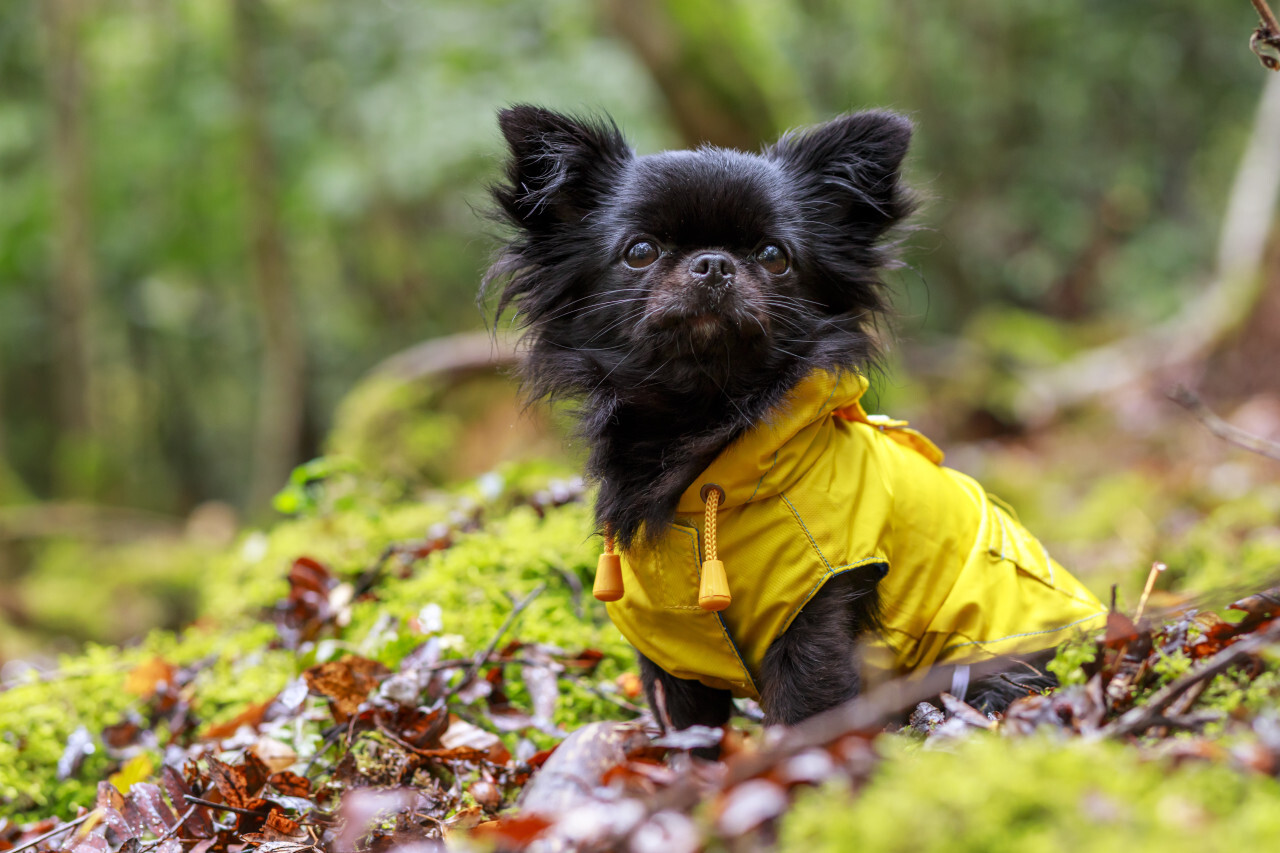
[712, 268]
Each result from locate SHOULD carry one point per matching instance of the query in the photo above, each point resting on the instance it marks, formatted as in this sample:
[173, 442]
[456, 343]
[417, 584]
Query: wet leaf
[290, 784]
[144, 806]
[694, 737]
[250, 717]
[275, 755]
[486, 794]
[926, 718]
[308, 609]
[462, 735]
[515, 831]
[123, 734]
[586, 661]
[150, 678]
[1121, 630]
[198, 824]
[964, 712]
[80, 745]
[750, 804]
[346, 683]
[234, 785]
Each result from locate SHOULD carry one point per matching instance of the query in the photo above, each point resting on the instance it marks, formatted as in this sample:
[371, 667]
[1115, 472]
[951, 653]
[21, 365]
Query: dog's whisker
[564, 308]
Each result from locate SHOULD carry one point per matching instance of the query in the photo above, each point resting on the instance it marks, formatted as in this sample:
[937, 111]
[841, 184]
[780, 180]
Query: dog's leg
[1026, 674]
[687, 703]
[813, 666]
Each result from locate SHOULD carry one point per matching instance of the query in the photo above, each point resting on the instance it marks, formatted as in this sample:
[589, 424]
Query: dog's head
[698, 271]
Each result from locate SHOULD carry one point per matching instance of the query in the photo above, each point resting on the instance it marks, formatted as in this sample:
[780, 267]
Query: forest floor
[374, 674]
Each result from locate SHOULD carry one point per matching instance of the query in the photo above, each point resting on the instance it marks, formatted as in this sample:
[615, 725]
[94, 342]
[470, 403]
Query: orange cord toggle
[608, 585]
[713, 592]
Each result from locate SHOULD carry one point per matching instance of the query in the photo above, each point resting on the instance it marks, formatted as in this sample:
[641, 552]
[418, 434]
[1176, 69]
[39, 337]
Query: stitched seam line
[697, 558]
[1048, 561]
[729, 639]
[805, 528]
[838, 570]
[834, 385]
[762, 476]
[861, 562]
[1027, 634]
[822, 412]
[697, 554]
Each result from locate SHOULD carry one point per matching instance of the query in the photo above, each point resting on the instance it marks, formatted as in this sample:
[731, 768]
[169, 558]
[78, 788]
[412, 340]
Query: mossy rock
[429, 431]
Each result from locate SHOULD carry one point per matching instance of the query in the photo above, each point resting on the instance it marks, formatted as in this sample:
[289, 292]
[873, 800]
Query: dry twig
[1187, 398]
[58, 830]
[171, 831]
[1265, 41]
[480, 658]
[1268, 17]
[223, 807]
[1152, 713]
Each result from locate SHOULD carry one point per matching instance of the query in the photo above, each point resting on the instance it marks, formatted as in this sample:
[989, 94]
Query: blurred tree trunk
[712, 94]
[283, 393]
[73, 268]
[1218, 314]
[1249, 363]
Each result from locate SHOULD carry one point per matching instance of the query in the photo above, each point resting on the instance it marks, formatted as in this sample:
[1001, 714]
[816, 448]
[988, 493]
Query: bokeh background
[227, 227]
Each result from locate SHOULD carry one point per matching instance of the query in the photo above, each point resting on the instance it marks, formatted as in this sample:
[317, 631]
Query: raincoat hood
[820, 488]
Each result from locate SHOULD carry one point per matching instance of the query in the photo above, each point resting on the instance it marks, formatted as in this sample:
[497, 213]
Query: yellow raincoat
[821, 489]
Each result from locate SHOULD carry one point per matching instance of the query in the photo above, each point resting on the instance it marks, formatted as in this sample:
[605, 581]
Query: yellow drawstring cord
[608, 585]
[713, 592]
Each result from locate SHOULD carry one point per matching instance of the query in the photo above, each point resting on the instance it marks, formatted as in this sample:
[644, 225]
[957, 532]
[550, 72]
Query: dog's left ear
[559, 167]
[854, 163]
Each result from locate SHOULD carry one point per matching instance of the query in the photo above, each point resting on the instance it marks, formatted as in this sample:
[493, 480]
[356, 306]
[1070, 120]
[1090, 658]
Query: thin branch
[480, 658]
[867, 713]
[1268, 17]
[223, 807]
[169, 833]
[56, 831]
[1152, 713]
[1234, 435]
[613, 699]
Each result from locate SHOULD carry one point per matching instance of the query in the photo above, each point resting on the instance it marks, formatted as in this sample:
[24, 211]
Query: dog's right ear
[559, 166]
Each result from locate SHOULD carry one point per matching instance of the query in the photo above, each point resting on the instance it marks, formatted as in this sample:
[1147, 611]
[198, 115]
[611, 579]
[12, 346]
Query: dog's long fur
[671, 360]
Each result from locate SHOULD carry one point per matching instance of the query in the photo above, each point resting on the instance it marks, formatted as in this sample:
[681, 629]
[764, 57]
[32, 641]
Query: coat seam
[1024, 634]
[762, 476]
[808, 535]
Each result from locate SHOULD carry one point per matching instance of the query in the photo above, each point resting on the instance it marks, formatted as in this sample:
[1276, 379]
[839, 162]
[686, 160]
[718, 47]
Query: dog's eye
[772, 258]
[641, 254]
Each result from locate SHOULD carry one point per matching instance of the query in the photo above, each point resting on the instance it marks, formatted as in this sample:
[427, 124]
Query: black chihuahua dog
[679, 297]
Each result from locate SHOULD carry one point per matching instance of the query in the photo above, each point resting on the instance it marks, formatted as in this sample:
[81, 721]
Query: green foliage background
[1075, 155]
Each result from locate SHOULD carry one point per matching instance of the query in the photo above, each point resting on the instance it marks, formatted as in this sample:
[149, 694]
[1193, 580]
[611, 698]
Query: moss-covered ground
[447, 568]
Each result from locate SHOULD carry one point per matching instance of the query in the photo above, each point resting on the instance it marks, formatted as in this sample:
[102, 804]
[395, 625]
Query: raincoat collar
[748, 468]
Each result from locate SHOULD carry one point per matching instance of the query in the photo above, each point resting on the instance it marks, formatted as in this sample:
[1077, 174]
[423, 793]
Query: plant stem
[1268, 17]
[1223, 430]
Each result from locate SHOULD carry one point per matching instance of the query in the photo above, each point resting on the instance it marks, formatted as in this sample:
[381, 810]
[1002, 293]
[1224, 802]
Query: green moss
[1233, 551]
[474, 583]
[37, 718]
[1071, 659]
[992, 795]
